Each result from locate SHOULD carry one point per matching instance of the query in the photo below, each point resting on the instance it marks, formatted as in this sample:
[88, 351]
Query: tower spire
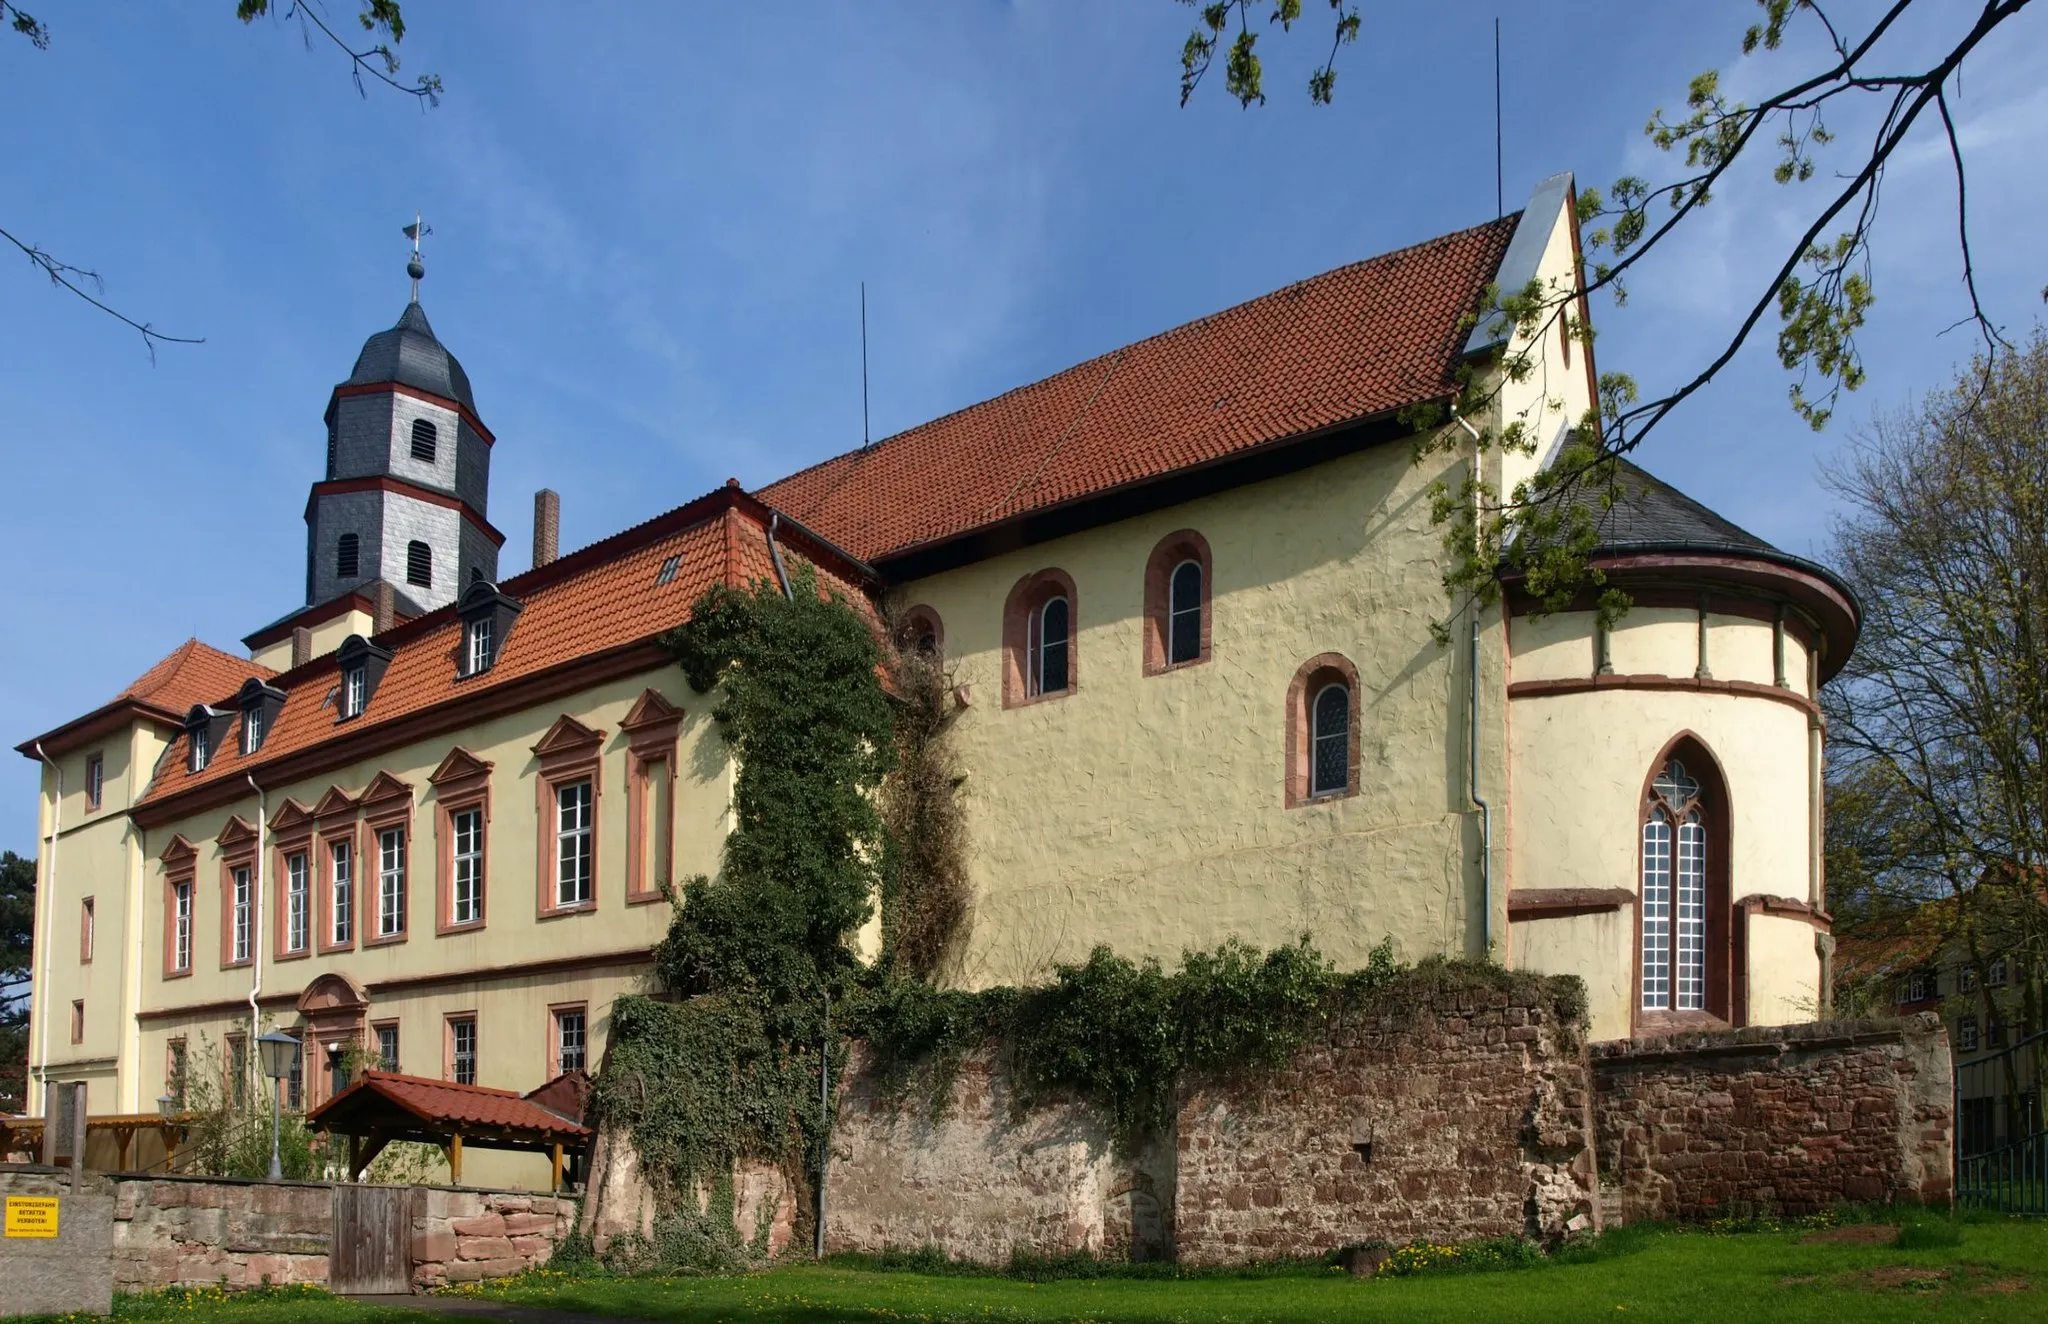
[415, 268]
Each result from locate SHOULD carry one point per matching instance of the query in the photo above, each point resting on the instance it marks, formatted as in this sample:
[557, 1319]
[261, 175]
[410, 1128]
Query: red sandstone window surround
[237, 842]
[921, 631]
[1041, 639]
[462, 818]
[459, 1041]
[1322, 731]
[568, 1038]
[294, 895]
[338, 856]
[85, 932]
[566, 808]
[651, 737]
[386, 876]
[180, 861]
[1177, 603]
[1684, 921]
[95, 780]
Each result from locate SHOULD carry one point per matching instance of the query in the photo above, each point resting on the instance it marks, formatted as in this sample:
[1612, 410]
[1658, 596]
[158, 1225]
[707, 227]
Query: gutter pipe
[1472, 752]
[775, 554]
[256, 917]
[46, 902]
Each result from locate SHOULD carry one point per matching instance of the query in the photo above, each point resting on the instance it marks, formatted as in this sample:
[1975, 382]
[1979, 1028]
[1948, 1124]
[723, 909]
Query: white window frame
[466, 865]
[181, 925]
[1036, 644]
[389, 1061]
[477, 636]
[574, 841]
[202, 748]
[355, 683]
[241, 880]
[455, 1051]
[1966, 1035]
[297, 901]
[562, 1018]
[341, 864]
[252, 729]
[1174, 611]
[391, 882]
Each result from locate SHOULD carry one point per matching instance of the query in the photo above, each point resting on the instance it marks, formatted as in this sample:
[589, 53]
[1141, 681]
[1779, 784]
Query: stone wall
[1464, 1116]
[1787, 1119]
[970, 1174]
[171, 1231]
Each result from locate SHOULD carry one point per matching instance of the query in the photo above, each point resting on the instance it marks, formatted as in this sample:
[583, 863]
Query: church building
[1185, 592]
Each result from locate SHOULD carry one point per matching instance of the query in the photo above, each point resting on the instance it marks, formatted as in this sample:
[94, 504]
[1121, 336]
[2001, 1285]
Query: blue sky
[651, 223]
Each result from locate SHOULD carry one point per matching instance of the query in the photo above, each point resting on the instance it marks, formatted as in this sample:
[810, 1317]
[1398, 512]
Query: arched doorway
[332, 1010]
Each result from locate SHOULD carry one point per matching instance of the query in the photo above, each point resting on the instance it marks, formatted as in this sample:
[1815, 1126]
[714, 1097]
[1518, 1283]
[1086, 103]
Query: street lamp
[277, 1048]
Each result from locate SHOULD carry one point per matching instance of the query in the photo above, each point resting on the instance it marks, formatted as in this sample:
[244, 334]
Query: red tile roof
[442, 1106]
[1351, 344]
[192, 673]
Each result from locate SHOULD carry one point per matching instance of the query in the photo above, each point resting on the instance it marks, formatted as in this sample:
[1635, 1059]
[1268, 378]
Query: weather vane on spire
[418, 230]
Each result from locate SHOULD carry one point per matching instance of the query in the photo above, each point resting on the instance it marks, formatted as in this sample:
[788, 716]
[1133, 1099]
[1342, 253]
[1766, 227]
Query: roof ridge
[1189, 325]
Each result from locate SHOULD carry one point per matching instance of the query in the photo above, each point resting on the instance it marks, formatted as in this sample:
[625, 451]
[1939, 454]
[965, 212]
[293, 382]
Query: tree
[378, 60]
[17, 952]
[1938, 723]
[1820, 285]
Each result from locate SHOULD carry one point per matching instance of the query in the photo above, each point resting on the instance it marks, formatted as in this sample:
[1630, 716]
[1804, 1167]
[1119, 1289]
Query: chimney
[302, 645]
[386, 612]
[547, 526]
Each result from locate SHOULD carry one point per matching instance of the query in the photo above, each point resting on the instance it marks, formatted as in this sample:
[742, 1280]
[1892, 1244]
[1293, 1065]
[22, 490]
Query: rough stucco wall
[1784, 966]
[1787, 1119]
[1148, 811]
[982, 1182]
[1473, 1110]
[1554, 393]
[1599, 948]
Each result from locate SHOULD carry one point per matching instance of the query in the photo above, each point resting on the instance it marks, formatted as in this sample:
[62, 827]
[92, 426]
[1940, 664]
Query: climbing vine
[924, 891]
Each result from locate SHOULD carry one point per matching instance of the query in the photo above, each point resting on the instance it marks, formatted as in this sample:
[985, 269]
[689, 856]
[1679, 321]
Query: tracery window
[1674, 893]
[1330, 755]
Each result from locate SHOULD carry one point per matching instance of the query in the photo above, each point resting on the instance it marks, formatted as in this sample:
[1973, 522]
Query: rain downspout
[256, 913]
[46, 901]
[1472, 732]
[775, 553]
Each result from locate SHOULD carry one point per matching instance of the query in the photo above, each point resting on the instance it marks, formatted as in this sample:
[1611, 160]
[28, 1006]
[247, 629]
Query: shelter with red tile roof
[1185, 591]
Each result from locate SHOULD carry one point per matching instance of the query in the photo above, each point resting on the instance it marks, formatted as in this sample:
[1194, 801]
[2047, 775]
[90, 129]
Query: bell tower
[406, 492]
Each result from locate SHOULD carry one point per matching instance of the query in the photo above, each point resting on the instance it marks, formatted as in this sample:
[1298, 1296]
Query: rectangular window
[462, 1050]
[202, 748]
[467, 860]
[569, 1040]
[479, 646]
[95, 780]
[387, 1047]
[181, 926]
[1656, 913]
[85, 932]
[78, 1021]
[353, 682]
[252, 729]
[1966, 1034]
[1966, 979]
[344, 858]
[1995, 976]
[174, 1074]
[390, 882]
[239, 914]
[297, 902]
[238, 1069]
[295, 1080]
[657, 823]
[572, 844]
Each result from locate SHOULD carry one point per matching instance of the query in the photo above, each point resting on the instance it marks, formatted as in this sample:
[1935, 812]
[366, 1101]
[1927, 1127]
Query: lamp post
[277, 1048]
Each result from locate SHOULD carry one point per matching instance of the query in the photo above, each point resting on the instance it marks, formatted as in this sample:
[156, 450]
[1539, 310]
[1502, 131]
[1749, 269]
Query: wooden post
[558, 1168]
[355, 1158]
[122, 1135]
[170, 1135]
[455, 1159]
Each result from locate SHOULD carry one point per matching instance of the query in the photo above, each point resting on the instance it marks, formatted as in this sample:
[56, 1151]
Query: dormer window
[204, 728]
[479, 651]
[362, 666]
[487, 619]
[424, 437]
[259, 704]
[202, 748]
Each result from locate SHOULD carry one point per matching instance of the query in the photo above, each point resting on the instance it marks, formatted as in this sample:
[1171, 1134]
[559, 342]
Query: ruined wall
[462, 1236]
[1465, 1118]
[1786, 1119]
[970, 1175]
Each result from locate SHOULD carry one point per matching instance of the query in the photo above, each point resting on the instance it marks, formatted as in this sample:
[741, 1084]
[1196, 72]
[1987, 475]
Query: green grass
[1993, 1270]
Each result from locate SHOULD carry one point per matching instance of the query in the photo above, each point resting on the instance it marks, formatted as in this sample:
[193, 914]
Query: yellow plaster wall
[1553, 647]
[328, 635]
[1599, 948]
[1553, 394]
[1784, 971]
[1653, 641]
[1147, 812]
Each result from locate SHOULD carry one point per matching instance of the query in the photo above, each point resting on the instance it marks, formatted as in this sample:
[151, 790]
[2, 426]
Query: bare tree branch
[61, 273]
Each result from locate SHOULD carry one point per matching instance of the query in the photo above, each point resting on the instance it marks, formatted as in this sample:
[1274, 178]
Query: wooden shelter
[382, 1106]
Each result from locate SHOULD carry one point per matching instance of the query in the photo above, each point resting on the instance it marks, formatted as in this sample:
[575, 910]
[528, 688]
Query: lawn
[1998, 1272]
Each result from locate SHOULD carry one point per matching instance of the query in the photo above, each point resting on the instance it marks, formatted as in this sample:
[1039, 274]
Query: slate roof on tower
[410, 355]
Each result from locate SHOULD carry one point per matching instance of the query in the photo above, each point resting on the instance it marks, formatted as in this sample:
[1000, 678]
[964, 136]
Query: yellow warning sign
[31, 1216]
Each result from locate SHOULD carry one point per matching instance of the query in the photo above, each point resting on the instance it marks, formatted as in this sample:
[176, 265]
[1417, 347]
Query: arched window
[1684, 913]
[1330, 756]
[419, 564]
[1041, 629]
[424, 437]
[348, 557]
[1177, 602]
[921, 632]
[1051, 625]
[1322, 730]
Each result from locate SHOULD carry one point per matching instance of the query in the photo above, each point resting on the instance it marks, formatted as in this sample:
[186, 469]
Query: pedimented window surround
[337, 821]
[237, 843]
[651, 740]
[462, 783]
[570, 752]
[291, 833]
[181, 864]
[387, 805]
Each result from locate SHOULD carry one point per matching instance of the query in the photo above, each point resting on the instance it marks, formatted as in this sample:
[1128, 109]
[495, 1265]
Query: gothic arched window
[424, 436]
[1683, 962]
[419, 564]
[348, 557]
